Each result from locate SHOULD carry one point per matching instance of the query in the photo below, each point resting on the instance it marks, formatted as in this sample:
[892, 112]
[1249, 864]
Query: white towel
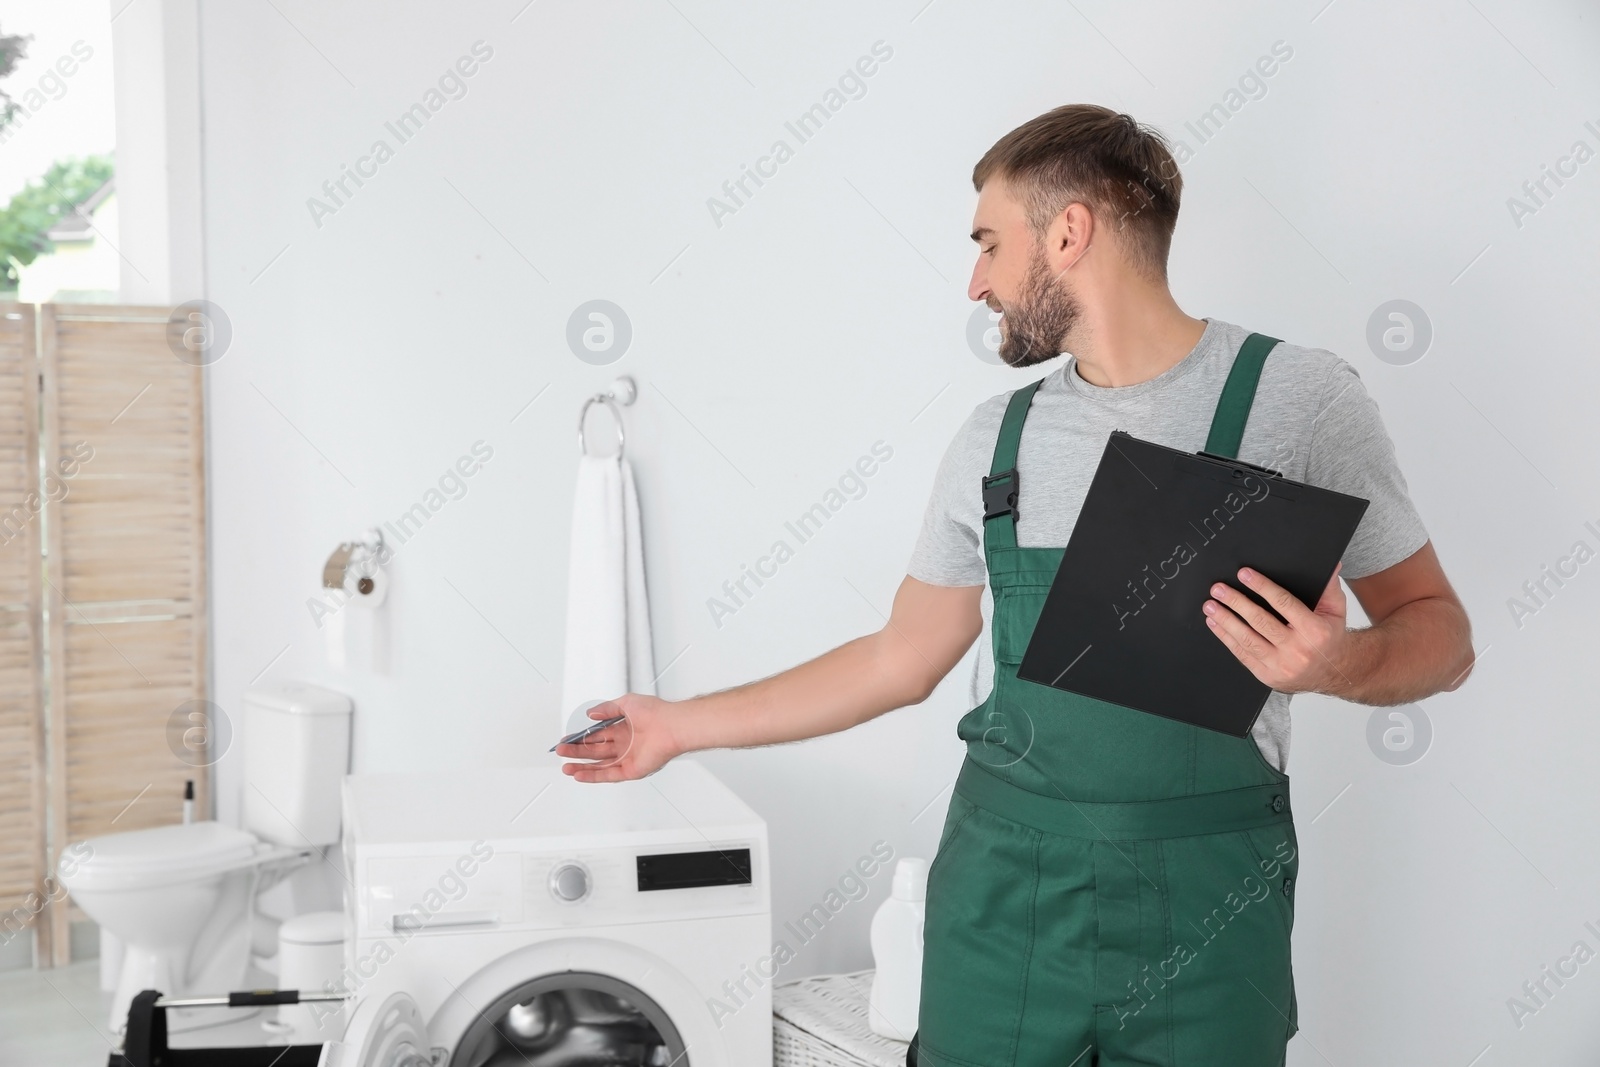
[608, 649]
[641, 654]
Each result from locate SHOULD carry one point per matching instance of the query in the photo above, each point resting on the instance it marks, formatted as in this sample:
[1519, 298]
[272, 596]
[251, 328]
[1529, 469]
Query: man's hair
[1122, 171]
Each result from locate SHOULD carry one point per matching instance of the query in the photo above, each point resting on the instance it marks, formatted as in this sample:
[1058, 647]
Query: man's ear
[1064, 238]
[1069, 230]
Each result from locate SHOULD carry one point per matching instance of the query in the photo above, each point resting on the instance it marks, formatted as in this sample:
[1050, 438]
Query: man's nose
[978, 287]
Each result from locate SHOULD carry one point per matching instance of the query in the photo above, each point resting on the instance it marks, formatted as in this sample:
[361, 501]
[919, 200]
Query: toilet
[180, 899]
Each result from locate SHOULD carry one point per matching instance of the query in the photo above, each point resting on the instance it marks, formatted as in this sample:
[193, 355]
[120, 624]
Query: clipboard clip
[1000, 494]
[1268, 471]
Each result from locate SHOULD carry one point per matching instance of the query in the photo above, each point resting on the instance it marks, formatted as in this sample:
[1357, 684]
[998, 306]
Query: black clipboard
[1122, 621]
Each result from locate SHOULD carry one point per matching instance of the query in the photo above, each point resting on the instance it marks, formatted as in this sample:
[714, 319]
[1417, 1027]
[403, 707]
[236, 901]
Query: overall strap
[1233, 406]
[1000, 487]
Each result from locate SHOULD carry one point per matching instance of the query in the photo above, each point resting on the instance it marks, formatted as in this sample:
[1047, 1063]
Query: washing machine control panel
[501, 886]
[664, 881]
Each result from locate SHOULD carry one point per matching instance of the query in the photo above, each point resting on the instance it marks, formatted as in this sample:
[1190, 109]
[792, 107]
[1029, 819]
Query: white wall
[829, 313]
[158, 150]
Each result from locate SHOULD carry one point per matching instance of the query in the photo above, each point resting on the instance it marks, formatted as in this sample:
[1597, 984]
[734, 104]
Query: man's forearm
[853, 683]
[1422, 649]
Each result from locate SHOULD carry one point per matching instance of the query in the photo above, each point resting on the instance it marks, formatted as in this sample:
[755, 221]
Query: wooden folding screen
[103, 630]
[125, 581]
[22, 750]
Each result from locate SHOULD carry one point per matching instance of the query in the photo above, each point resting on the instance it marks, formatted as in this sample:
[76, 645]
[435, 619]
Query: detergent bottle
[897, 953]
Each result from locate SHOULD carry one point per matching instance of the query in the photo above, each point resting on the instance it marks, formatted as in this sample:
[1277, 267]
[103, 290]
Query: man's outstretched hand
[1303, 656]
[639, 745]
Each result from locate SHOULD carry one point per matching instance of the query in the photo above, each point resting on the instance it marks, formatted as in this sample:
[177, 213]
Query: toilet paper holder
[356, 567]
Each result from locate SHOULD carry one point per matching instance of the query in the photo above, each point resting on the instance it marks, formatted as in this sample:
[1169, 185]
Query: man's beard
[1037, 324]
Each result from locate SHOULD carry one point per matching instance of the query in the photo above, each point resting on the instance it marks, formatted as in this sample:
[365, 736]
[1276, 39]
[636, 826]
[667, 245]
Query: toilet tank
[297, 752]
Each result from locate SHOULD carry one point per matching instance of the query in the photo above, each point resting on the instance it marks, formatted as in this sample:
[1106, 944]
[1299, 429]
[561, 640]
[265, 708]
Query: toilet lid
[161, 853]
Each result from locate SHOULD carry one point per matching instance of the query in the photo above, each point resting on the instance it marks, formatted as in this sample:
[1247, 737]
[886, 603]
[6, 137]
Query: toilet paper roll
[366, 582]
[358, 639]
[333, 633]
[366, 634]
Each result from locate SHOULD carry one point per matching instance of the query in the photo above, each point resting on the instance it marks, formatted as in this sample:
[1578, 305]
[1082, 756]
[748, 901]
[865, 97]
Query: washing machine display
[535, 920]
[690, 870]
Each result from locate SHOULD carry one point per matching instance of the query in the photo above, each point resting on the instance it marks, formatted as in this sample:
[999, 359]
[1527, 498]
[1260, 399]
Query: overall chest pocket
[1016, 612]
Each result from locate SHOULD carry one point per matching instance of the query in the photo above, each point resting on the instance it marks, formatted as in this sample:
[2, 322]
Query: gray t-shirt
[1312, 420]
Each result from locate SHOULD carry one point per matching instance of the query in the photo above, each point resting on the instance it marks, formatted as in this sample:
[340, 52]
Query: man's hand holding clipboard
[1296, 651]
[1160, 535]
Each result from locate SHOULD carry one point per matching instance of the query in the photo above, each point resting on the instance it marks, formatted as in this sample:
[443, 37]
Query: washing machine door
[386, 1033]
[572, 1019]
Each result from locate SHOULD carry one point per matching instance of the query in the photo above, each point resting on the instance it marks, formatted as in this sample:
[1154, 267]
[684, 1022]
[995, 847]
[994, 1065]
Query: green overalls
[1111, 887]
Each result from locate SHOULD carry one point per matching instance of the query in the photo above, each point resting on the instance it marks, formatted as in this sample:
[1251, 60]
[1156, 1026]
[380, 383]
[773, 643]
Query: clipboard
[1122, 622]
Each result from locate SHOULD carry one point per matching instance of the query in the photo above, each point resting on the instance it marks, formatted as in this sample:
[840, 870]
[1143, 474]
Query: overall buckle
[1000, 494]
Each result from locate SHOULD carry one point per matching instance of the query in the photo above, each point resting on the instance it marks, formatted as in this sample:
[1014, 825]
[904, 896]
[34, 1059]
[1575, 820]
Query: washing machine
[520, 917]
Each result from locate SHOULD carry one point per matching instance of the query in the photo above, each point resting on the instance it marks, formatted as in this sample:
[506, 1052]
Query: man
[1111, 887]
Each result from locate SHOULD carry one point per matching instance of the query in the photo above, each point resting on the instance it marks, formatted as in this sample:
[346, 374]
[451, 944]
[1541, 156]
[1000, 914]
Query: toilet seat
[163, 855]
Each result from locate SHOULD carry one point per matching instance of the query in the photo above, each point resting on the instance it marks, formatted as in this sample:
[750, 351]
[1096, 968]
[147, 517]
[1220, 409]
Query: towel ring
[623, 392]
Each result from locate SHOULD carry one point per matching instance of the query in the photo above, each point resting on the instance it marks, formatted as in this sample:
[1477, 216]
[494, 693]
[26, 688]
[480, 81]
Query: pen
[586, 731]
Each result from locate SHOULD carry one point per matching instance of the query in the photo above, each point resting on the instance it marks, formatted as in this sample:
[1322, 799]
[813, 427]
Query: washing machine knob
[569, 882]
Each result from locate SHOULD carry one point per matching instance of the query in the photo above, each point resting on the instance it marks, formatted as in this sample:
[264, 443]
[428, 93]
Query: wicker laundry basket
[822, 1022]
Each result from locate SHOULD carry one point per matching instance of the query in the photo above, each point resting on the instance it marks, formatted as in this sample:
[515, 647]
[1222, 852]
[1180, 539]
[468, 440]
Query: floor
[59, 1018]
